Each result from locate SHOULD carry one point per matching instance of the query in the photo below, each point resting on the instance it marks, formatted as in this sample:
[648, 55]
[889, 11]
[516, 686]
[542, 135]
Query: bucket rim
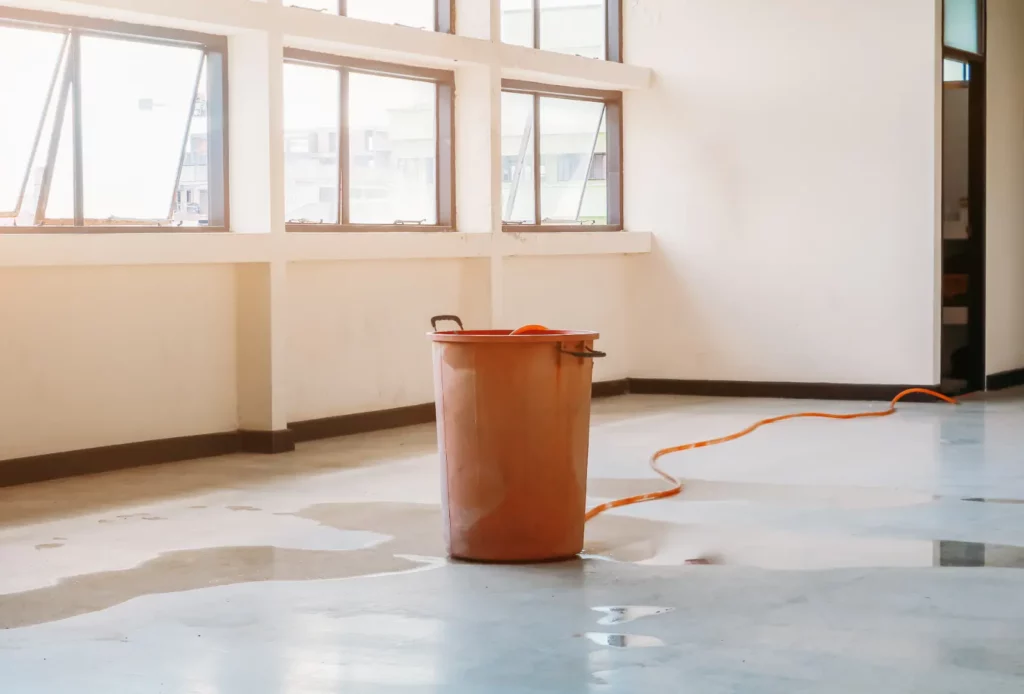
[506, 336]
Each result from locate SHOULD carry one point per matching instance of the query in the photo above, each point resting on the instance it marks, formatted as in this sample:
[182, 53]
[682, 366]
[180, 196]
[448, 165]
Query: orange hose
[678, 486]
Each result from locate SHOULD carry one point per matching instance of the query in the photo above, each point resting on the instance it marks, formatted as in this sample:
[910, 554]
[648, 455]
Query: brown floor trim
[363, 422]
[608, 389]
[758, 389]
[92, 460]
[1004, 380]
[269, 442]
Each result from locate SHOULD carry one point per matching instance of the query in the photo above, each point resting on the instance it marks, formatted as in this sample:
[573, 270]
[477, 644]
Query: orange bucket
[513, 428]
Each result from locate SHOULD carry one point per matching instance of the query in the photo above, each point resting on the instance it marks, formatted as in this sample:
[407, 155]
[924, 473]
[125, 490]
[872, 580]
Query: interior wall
[574, 293]
[96, 356]
[786, 160]
[357, 330]
[1004, 227]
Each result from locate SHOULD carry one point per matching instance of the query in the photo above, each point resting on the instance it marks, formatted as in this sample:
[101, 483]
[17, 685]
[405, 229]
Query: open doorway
[963, 225]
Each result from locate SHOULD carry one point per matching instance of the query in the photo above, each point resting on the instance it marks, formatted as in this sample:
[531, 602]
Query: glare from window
[573, 136]
[517, 22]
[312, 115]
[517, 181]
[576, 27]
[60, 206]
[326, 6]
[392, 150]
[411, 13]
[136, 110]
[28, 64]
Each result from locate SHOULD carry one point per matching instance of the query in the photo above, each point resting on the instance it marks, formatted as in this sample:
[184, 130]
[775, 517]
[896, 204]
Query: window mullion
[344, 170]
[75, 68]
[343, 8]
[58, 127]
[536, 160]
[535, 7]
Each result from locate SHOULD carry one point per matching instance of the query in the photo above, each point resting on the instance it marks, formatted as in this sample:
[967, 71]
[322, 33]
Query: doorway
[963, 224]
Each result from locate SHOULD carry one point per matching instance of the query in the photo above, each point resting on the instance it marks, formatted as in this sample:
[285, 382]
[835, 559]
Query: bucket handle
[589, 354]
[437, 319]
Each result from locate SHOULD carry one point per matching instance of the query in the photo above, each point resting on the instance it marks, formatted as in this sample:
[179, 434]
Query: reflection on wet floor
[630, 613]
[624, 640]
[656, 543]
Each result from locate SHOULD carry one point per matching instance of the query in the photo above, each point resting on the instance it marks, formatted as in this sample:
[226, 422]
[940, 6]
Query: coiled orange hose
[677, 487]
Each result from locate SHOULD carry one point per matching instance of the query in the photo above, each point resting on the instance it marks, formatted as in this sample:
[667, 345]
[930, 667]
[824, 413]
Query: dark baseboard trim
[93, 460]
[759, 389]
[608, 389]
[1004, 380]
[53, 466]
[269, 442]
[363, 422]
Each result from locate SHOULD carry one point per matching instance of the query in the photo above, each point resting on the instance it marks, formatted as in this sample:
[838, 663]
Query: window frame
[612, 28]
[444, 14]
[612, 101]
[73, 27]
[444, 139]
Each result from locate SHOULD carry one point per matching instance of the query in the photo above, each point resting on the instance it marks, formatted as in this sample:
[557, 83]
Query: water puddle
[629, 613]
[624, 640]
[413, 543]
[656, 543]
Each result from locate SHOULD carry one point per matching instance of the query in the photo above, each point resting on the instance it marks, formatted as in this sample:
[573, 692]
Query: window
[576, 136]
[589, 28]
[963, 25]
[393, 168]
[106, 124]
[955, 71]
[432, 15]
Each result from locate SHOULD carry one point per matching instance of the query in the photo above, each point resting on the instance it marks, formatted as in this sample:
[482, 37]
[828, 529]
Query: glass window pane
[60, 206]
[392, 150]
[28, 62]
[410, 13]
[328, 6]
[954, 71]
[576, 27]
[136, 110]
[517, 171]
[192, 198]
[517, 22]
[312, 111]
[571, 133]
[961, 25]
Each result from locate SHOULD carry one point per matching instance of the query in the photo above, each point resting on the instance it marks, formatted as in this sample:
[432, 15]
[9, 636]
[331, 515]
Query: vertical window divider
[535, 9]
[75, 69]
[613, 31]
[217, 141]
[536, 159]
[343, 8]
[344, 196]
[614, 174]
[55, 134]
[444, 154]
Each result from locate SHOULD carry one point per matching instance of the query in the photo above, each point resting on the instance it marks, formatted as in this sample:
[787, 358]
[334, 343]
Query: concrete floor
[846, 557]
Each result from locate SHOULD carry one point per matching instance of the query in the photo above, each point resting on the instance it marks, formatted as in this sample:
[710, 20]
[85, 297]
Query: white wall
[574, 293]
[786, 160]
[95, 356]
[357, 330]
[1004, 226]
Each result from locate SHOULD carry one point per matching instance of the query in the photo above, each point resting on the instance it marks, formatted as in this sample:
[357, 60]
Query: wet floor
[810, 556]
